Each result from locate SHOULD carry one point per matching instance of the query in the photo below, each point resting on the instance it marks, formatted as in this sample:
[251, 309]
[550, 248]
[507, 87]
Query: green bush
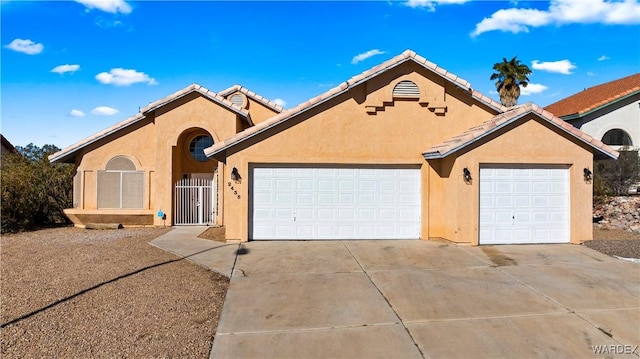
[616, 177]
[34, 191]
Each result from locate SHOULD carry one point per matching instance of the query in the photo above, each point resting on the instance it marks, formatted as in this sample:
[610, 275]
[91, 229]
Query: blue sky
[72, 68]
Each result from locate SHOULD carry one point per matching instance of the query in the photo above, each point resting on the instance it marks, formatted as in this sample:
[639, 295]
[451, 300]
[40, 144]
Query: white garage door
[335, 203]
[524, 204]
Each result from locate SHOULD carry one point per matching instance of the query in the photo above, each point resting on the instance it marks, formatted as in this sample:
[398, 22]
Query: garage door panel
[503, 201]
[366, 214]
[325, 214]
[304, 184]
[326, 198]
[326, 185]
[524, 204]
[284, 198]
[336, 203]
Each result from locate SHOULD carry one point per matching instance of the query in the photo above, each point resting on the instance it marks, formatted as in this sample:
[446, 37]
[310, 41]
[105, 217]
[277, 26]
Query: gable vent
[237, 99]
[406, 88]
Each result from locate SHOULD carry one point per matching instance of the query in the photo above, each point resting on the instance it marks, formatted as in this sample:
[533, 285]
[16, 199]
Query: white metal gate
[195, 201]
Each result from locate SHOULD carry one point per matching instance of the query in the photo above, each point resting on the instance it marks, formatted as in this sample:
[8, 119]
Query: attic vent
[407, 89]
[237, 99]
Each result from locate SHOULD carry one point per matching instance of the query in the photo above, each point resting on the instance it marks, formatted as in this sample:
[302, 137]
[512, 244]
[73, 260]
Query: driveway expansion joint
[386, 300]
[296, 330]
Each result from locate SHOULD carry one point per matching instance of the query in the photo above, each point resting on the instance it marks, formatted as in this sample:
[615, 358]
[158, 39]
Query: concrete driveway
[415, 299]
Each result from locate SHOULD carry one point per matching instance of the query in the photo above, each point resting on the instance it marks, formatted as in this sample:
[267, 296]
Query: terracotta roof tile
[448, 147]
[345, 86]
[595, 97]
[67, 152]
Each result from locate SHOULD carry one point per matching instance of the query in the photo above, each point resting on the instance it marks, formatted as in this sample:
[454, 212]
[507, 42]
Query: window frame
[121, 185]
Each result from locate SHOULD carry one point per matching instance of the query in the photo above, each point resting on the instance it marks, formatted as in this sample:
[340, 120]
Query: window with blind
[77, 189]
[120, 185]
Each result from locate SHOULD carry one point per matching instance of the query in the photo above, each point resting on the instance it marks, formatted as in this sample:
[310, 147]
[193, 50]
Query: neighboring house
[7, 147]
[609, 112]
[403, 150]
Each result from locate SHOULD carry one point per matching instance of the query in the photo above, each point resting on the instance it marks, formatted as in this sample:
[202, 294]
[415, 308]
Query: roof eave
[611, 153]
[407, 56]
[438, 155]
[65, 154]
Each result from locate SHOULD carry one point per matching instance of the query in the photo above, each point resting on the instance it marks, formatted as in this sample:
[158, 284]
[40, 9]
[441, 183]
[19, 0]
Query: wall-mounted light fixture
[466, 175]
[235, 175]
[588, 175]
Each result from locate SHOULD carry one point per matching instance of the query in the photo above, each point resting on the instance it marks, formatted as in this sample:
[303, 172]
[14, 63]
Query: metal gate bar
[195, 201]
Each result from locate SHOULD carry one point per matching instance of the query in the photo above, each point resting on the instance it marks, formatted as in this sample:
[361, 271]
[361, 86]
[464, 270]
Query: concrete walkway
[417, 299]
[183, 241]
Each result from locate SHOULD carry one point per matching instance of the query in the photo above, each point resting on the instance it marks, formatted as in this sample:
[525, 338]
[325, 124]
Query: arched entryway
[195, 179]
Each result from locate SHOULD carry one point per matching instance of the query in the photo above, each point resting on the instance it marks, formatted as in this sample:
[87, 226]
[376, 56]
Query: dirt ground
[77, 293]
[214, 234]
[616, 242]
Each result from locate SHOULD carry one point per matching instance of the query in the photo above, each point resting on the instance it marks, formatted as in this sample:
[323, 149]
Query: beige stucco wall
[342, 132]
[454, 204]
[158, 145]
[258, 111]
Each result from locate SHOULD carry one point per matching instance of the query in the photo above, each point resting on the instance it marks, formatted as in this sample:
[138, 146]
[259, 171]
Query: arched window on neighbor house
[120, 185]
[617, 137]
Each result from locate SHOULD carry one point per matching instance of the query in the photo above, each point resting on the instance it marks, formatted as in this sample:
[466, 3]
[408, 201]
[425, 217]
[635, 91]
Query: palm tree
[510, 75]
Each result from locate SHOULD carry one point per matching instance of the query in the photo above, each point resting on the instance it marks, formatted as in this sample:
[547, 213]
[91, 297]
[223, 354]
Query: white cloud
[111, 6]
[25, 46]
[512, 20]
[104, 111]
[65, 68]
[365, 55]
[431, 4]
[124, 77]
[532, 89]
[561, 67]
[280, 102]
[562, 12]
[603, 58]
[76, 113]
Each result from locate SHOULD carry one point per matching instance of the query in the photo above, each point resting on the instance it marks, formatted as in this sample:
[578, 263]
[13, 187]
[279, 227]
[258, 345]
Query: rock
[619, 212]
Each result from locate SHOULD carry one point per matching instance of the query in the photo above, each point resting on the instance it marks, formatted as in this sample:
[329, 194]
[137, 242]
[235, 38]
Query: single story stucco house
[405, 150]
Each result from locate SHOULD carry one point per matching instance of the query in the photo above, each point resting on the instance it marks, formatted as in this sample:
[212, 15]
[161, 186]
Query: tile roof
[595, 97]
[500, 121]
[68, 152]
[261, 99]
[407, 55]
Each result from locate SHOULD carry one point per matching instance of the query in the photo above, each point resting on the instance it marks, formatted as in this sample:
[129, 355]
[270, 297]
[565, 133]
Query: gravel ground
[76, 293]
[214, 234]
[615, 242]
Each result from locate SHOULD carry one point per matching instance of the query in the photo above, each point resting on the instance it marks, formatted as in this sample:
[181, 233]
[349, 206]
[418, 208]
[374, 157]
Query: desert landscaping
[108, 293]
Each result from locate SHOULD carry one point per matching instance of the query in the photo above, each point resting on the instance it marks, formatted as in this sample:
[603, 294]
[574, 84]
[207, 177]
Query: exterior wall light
[235, 176]
[588, 175]
[466, 175]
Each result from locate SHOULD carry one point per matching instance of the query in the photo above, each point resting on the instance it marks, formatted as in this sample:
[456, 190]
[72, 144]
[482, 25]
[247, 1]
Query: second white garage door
[524, 204]
[335, 203]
